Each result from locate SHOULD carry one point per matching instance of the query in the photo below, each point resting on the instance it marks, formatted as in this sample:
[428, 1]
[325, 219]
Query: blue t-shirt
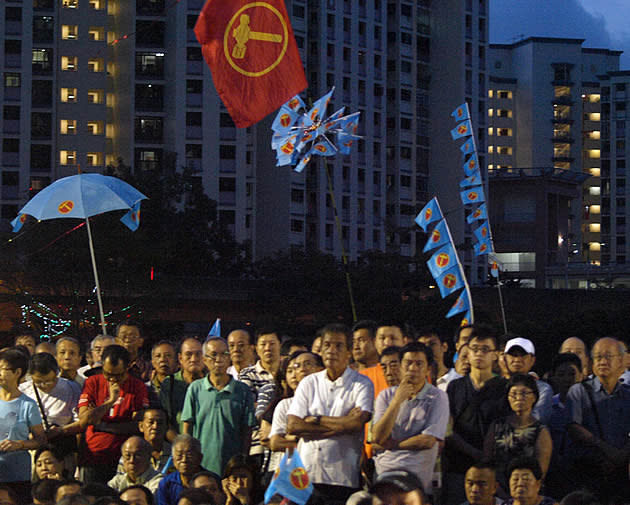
[16, 419]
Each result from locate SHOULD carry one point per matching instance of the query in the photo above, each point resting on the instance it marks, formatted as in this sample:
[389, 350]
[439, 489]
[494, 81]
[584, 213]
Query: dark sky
[603, 23]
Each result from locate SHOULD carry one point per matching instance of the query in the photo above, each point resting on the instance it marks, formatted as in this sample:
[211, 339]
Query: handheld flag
[431, 212]
[463, 129]
[494, 269]
[439, 236]
[132, 218]
[472, 165]
[477, 214]
[473, 180]
[450, 281]
[462, 304]
[473, 195]
[215, 331]
[287, 116]
[481, 248]
[290, 481]
[467, 319]
[319, 109]
[468, 146]
[461, 112]
[252, 54]
[18, 222]
[443, 259]
[483, 232]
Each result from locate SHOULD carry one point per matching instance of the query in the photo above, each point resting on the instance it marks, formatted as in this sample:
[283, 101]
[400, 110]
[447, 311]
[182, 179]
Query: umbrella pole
[98, 286]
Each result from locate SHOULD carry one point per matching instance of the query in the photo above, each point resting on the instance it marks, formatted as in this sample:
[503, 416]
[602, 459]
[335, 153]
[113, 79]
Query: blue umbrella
[82, 196]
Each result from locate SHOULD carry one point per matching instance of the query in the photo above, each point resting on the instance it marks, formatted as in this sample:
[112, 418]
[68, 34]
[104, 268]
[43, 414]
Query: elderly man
[69, 359]
[390, 364]
[128, 335]
[328, 413]
[577, 346]
[187, 462]
[163, 361]
[600, 423]
[242, 353]
[410, 419]
[136, 460]
[153, 426]
[97, 346]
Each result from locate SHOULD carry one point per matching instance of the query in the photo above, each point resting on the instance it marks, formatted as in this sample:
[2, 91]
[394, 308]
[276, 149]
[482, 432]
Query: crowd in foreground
[375, 412]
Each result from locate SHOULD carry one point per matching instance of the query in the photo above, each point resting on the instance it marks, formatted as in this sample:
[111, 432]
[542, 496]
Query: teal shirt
[219, 419]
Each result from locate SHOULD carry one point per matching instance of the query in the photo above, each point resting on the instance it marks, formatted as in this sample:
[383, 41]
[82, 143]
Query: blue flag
[471, 166]
[463, 129]
[472, 195]
[287, 151]
[451, 280]
[324, 147]
[215, 331]
[443, 259]
[18, 222]
[319, 109]
[481, 248]
[303, 162]
[467, 319]
[462, 304]
[132, 218]
[461, 112]
[494, 269]
[473, 180]
[290, 481]
[468, 146]
[439, 236]
[483, 232]
[431, 212]
[477, 214]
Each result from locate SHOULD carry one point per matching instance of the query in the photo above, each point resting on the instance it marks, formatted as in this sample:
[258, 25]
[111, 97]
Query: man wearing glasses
[600, 424]
[218, 410]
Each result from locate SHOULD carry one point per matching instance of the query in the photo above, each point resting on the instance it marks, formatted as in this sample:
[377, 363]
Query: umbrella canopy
[82, 196]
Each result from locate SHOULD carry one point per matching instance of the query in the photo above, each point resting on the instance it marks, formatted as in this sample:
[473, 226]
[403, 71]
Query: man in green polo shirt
[218, 410]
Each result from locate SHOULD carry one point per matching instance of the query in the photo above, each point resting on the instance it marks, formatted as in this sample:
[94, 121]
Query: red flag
[252, 54]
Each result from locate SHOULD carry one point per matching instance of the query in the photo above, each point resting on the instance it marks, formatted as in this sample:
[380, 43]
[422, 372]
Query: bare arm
[328, 426]
[418, 442]
[39, 438]
[543, 450]
[187, 427]
[280, 442]
[488, 443]
[93, 415]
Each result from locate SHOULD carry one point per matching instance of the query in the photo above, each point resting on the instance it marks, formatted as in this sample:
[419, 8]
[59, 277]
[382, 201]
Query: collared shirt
[60, 403]
[427, 414]
[156, 463]
[220, 418]
[169, 489]
[149, 479]
[141, 368]
[172, 394]
[613, 411]
[335, 460]
[256, 377]
[442, 382]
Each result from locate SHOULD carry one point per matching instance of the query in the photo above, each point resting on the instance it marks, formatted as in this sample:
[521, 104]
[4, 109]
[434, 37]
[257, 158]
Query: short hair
[115, 354]
[391, 350]
[157, 408]
[581, 497]
[197, 496]
[9, 490]
[485, 464]
[68, 339]
[295, 354]
[429, 331]
[339, 329]
[183, 340]
[366, 324]
[213, 339]
[16, 359]
[523, 379]
[249, 335]
[74, 499]
[525, 463]
[44, 490]
[43, 363]
[290, 342]
[98, 490]
[417, 347]
[98, 338]
[390, 322]
[109, 500]
[147, 493]
[459, 330]
[267, 331]
[484, 332]
[59, 455]
[185, 438]
[207, 473]
[161, 342]
[128, 322]
[240, 461]
[563, 358]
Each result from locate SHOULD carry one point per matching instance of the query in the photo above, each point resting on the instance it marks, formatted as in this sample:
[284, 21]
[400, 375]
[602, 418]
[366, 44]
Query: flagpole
[98, 286]
[501, 302]
[459, 264]
[344, 256]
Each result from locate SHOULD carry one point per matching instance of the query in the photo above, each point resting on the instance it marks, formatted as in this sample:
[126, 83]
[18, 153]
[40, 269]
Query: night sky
[603, 23]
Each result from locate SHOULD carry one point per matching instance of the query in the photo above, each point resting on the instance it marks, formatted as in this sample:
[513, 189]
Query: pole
[98, 286]
[344, 256]
[501, 304]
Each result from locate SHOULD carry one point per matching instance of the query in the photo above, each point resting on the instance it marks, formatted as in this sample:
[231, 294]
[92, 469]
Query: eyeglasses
[520, 394]
[44, 384]
[484, 349]
[607, 357]
[303, 365]
[216, 356]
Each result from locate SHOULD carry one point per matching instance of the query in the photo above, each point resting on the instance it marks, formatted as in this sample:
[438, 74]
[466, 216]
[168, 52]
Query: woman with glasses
[519, 433]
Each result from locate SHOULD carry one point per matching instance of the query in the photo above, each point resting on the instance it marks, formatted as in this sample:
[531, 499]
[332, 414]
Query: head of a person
[116, 360]
[46, 347]
[399, 487]
[415, 362]
[186, 452]
[522, 392]
[626, 355]
[410, 333]
[191, 496]
[49, 463]
[210, 482]
[216, 356]
[580, 498]
[299, 365]
[43, 492]
[129, 335]
[74, 499]
[390, 364]
[482, 348]
[109, 500]
[163, 358]
[43, 370]
[525, 479]
[520, 355]
[241, 346]
[481, 484]
[27, 337]
[608, 359]
[432, 338]
[316, 346]
[240, 472]
[363, 345]
[268, 346]
[68, 354]
[153, 424]
[290, 345]
[8, 496]
[67, 487]
[137, 495]
[336, 347]
[96, 490]
[13, 366]
[566, 370]
[463, 335]
[190, 356]
[136, 456]
[462, 365]
[98, 345]
[388, 333]
[576, 346]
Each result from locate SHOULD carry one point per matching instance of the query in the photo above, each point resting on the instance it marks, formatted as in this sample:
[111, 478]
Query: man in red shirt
[106, 408]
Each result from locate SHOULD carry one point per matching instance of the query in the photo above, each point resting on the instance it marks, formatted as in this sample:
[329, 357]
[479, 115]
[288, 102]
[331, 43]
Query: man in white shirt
[328, 413]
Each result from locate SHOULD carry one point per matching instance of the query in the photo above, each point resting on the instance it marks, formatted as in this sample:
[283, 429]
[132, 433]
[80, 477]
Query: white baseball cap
[523, 343]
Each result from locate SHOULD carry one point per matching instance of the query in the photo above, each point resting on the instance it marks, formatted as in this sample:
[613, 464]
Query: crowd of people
[380, 413]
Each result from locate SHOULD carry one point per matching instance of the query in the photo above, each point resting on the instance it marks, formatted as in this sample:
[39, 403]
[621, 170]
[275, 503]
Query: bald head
[576, 346]
[136, 456]
[45, 347]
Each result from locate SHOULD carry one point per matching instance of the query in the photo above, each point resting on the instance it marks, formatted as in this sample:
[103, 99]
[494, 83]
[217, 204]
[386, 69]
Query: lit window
[67, 157]
[506, 94]
[68, 94]
[504, 150]
[95, 127]
[594, 153]
[97, 4]
[490, 131]
[70, 4]
[490, 93]
[595, 172]
[96, 33]
[595, 209]
[490, 149]
[94, 159]
[95, 95]
[594, 246]
[69, 32]
[96, 65]
[594, 116]
[490, 112]
[594, 227]
[69, 63]
[68, 127]
[594, 190]
[12, 80]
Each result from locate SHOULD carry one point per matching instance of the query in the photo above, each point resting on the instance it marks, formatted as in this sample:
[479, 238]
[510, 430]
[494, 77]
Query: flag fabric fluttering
[131, 219]
[477, 214]
[252, 54]
[430, 213]
[438, 237]
[443, 259]
[471, 166]
[462, 304]
[215, 331]
[463, 129]
[461, 113]
[450, 281]
[483, 232]
[473, 180]
[473, 195]
[481, 248]
[467, 319]
[291, 481]
[468, 146]
[18, 222]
